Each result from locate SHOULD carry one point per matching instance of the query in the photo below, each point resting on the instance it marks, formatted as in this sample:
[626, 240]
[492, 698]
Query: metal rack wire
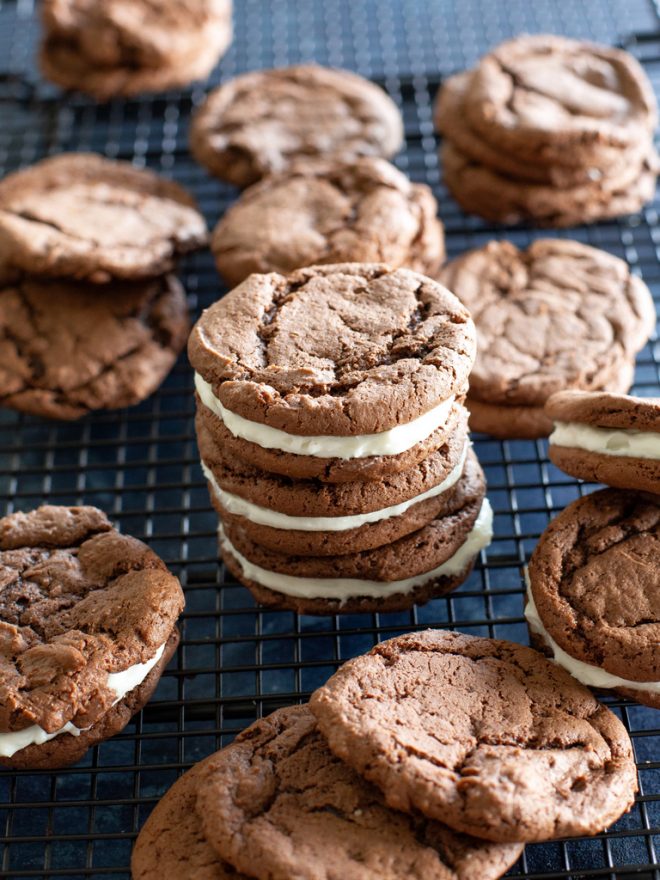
[236, 661]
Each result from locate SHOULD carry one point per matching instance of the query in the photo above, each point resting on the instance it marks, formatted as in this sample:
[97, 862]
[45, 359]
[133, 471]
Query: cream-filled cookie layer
[390, 442]
[349, 588]
[120, 682]
[591, 676]
[606, 441]
[264, 516]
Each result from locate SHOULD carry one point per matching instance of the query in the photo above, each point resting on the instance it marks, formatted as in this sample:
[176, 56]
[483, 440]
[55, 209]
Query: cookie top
[259, 123]
[171, 843]
[79, 601]
[79, 215]
[594, 580]
[605, 410]
[134, 32]
[487, 734]
[67, 349]
[329, 212]
[541, 96]
[342, 350]
[557, 315]
[278, 804]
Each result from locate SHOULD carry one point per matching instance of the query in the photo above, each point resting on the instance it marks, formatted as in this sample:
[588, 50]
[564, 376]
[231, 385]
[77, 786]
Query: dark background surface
[237, 662]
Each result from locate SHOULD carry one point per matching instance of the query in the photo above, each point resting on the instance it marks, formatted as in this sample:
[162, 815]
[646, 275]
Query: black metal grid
[237, 662]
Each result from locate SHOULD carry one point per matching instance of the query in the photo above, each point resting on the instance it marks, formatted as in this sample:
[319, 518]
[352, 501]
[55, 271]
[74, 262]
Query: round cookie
[487, 734]
[68, 349]
[346, 361]
[544, 98]
[310, 518]
[125, 48]
[606, 438]
[593, 592]
[87, 624]
[258, 123]
[79, 215]
[481, 190]
[278, 804]
[557, 315]
[412, 570]
[171, 842]
[358, 212]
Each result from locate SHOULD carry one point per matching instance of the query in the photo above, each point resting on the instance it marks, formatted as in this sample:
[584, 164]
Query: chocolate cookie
[338, 363]
[124, 47]
[278, 804]
[487, 734]
[557, 315]
[593, 599]
[171, 842]
[79, 215]
[67, 349]
[412, 570]
[545, 97]
[259, 123]
[87, 624]
[606, 438]
[481, 190]
[310, 518]
[327, 212]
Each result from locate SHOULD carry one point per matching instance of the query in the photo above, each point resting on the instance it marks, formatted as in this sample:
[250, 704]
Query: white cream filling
[591, 676]
[120, 682]
[390, 442]
[607, 441]
[348, 588]
[264, 516]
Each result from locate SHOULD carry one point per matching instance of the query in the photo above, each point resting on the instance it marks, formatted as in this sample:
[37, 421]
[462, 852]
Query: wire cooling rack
[237, 662]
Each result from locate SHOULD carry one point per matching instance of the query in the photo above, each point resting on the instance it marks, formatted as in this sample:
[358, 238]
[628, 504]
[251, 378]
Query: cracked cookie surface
[278, 804]
[487, 735]
[81, 216]
[78, 601]
[360, 212]
[259, 123]
[67, 349]
[557, 315]
[594, 580]
[336, 350]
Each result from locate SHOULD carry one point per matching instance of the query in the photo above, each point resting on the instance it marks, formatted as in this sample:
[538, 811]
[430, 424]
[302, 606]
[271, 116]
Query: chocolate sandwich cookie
[310, 518]
[278, 804]
[593, 602]
[606, 438]
[486, 734]
[79, 215]
[259, 123]
[557, 315]
[67, 349]
[87, 626]
[479, 189]
[124, 47]
[544, 97]
[412, 570]
[328, 212]
[328, 368]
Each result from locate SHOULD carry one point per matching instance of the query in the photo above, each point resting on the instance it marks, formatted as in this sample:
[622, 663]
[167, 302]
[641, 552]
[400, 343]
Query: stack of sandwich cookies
[593, 602]
[125, 47]
[334, 520]
[362, 211]
[91, 316]
[557, 315]
[87, 626]
[551, 130]
[606, 438]
[320, 819]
